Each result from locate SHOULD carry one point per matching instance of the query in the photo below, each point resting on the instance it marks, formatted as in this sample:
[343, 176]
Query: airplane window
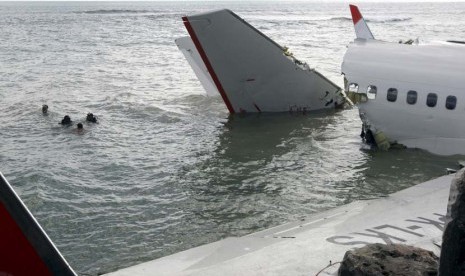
[371, 92]
[392, 94]
[451, 101]
[431, 99]
[353, 87]
[412, 97]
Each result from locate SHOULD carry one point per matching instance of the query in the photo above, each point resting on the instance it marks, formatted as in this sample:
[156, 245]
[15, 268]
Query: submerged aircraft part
[251, 72]
[407, 94]
[187, 47]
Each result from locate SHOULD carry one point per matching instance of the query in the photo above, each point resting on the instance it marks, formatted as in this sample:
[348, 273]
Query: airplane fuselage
[412, 95]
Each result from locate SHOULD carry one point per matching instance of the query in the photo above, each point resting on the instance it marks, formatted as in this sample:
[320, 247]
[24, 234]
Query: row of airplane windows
[412, 96]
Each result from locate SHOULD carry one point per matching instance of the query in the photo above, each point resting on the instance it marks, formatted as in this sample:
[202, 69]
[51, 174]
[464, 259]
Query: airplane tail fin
[361, 27]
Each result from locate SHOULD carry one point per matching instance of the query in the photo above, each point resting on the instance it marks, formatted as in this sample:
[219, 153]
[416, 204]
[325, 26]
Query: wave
[340, 18]
[115, 11]
[376, 20]
[387, 20]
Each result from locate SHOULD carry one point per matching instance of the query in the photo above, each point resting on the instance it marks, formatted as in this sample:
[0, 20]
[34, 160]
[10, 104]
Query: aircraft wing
[26, 249]
[187, 47]
[251, 72]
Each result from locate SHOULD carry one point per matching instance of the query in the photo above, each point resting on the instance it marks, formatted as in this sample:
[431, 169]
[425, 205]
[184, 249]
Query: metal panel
[25, 247]
[252, 72]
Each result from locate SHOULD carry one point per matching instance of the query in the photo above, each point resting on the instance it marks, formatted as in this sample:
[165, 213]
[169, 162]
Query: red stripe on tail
[356, 15]
[204, 57]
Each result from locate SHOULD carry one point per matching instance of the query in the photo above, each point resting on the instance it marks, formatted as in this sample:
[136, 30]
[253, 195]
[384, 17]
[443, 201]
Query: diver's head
[66, 120]
[80, 126]
[44, 108]
[91, 118]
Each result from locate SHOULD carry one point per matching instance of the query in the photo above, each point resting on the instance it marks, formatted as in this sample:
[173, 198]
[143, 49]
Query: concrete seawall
[414, 216]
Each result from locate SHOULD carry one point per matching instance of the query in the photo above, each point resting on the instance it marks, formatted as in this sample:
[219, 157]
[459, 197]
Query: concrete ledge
[414, 216]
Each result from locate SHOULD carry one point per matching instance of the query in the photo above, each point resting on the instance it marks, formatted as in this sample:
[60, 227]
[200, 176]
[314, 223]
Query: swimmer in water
[91, 118]
[79, 129]
[45, 109]
[66, 120]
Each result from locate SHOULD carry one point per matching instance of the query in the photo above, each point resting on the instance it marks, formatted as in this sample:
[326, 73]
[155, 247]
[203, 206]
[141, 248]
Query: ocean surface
[166, 168]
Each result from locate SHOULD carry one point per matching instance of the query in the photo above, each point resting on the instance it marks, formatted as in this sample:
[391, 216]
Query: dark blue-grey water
[166, 168]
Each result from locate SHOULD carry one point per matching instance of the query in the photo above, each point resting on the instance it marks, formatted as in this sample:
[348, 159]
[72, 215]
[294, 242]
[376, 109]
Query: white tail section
[361, 27]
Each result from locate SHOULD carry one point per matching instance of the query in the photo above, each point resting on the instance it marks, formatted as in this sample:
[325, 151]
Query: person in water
[66, 120]
[79, 129]
[91, 118]
[44, 109]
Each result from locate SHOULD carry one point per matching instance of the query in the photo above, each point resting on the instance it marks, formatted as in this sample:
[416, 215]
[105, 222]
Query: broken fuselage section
[411, 95]
[408, 94]
[251, 72]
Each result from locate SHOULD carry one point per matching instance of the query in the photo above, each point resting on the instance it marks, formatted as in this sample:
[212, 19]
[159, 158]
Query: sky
[342, 1]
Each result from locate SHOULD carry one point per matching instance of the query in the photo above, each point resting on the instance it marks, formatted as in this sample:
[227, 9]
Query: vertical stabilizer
[361, 27]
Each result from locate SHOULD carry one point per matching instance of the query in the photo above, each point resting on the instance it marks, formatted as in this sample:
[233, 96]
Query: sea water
[166, 168]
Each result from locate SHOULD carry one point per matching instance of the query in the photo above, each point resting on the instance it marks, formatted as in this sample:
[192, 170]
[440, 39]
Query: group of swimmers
[66, 121]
